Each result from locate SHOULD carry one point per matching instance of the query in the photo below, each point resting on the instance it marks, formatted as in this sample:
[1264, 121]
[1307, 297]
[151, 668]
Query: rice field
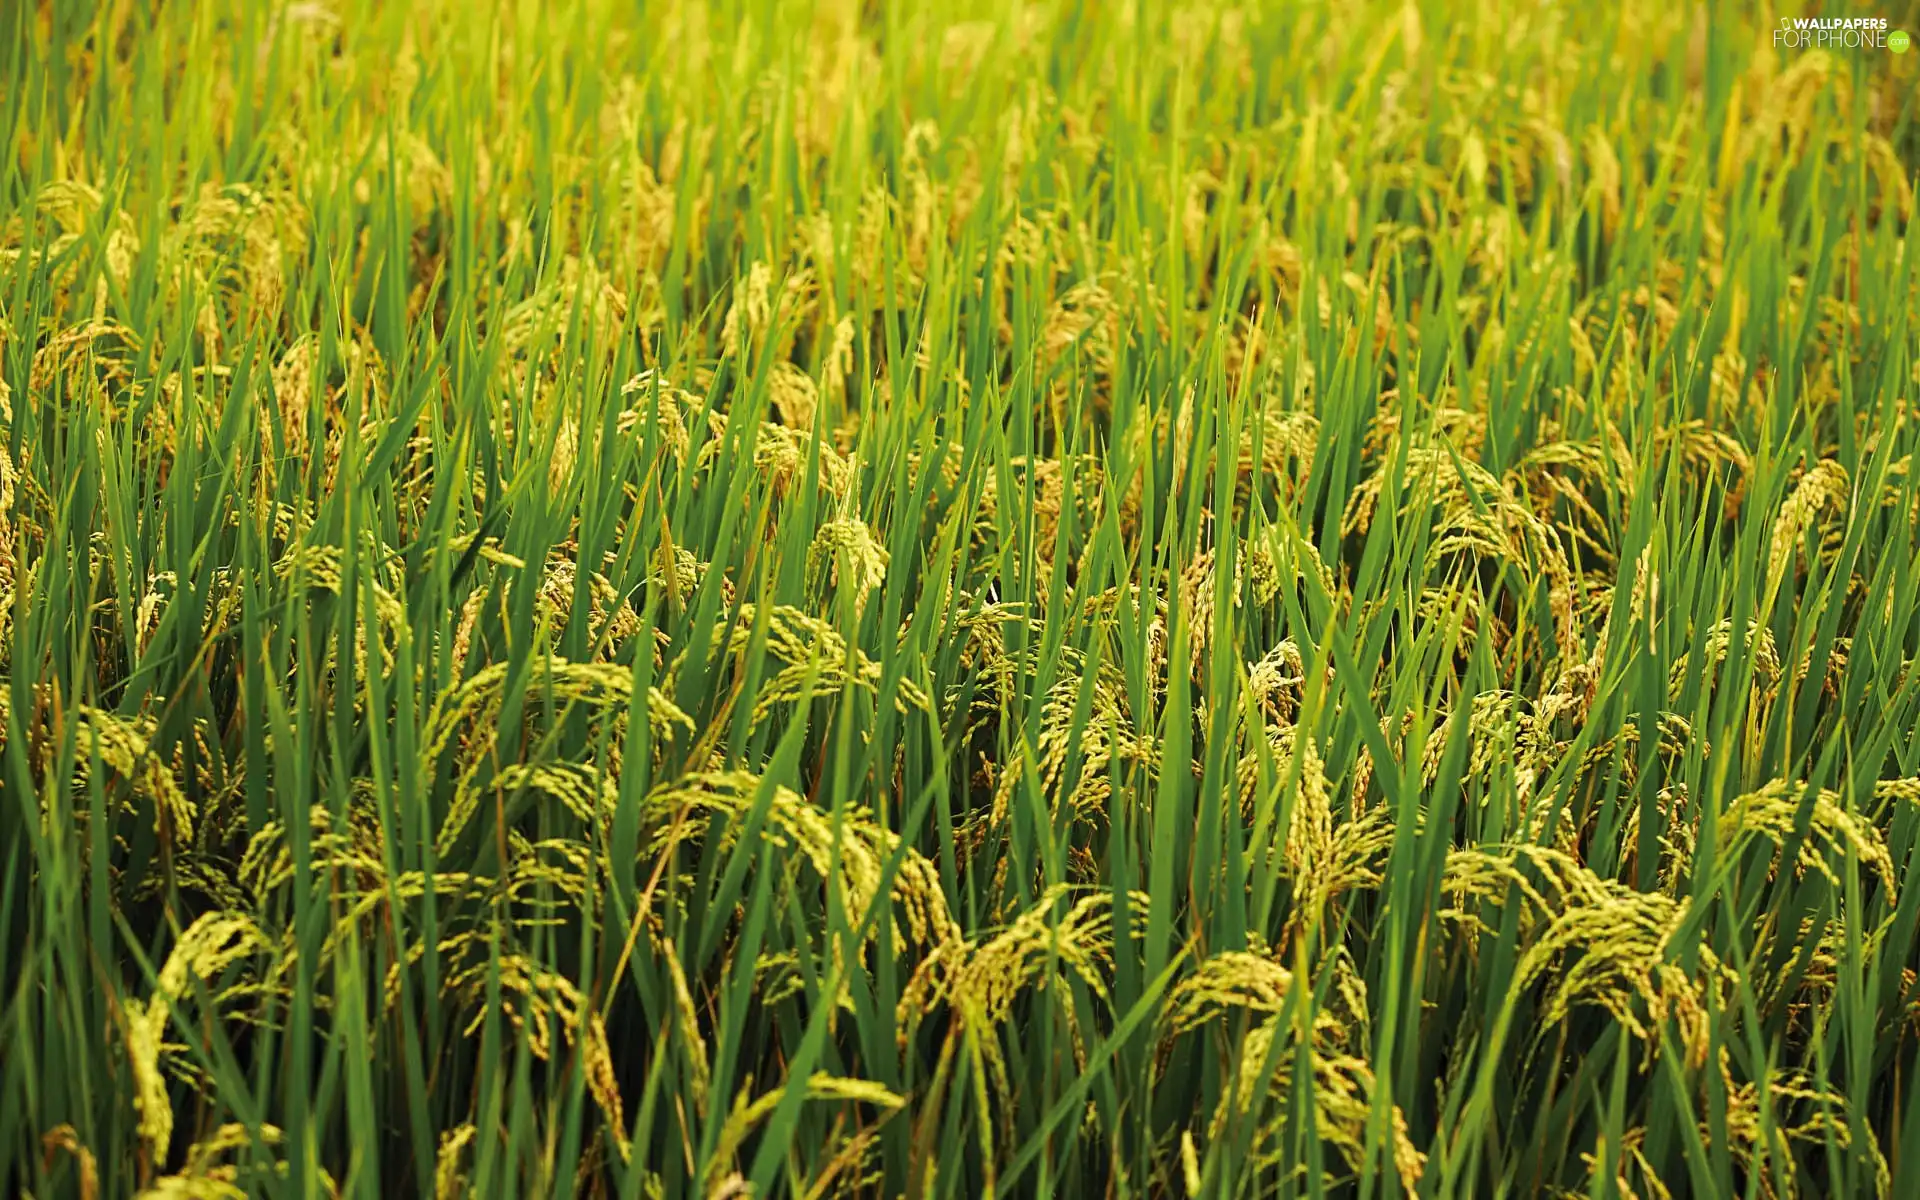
[888, 599]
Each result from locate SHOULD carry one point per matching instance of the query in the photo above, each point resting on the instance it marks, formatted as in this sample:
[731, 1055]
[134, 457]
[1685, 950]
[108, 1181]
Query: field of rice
[883, 598]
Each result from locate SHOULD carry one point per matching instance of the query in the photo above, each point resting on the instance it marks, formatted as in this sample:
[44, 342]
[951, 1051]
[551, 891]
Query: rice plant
[893, 599]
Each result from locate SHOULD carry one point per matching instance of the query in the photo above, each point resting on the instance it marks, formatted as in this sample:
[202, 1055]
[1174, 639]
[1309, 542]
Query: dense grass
[1122, 600]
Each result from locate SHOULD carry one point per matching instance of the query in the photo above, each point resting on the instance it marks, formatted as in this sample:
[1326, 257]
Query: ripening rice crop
[879, 599]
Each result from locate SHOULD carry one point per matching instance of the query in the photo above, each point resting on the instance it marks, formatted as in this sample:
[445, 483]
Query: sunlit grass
[1080, 600]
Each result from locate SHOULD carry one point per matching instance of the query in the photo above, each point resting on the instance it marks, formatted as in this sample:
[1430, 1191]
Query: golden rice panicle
[204, 950]
[845, 555]
[1826, 485]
